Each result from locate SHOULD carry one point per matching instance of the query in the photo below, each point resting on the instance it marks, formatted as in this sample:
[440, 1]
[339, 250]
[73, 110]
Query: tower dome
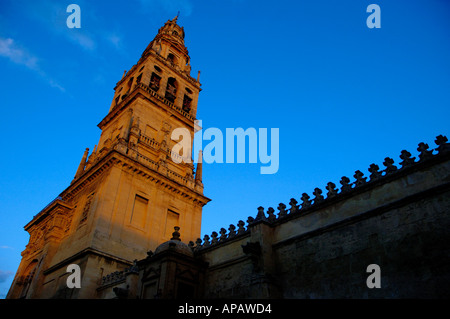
[175, 244]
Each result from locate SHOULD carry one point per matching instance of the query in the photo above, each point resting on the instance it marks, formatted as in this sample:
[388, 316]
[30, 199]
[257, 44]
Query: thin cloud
[6, 247]
[84, 40]
[11, 51]
[115, 41]
[18, 55]
[53, 16]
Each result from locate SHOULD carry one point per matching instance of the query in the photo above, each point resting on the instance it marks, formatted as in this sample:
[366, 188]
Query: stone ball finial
[176, 234]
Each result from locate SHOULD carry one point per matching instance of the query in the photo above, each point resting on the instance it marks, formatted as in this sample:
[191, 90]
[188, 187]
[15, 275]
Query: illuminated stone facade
[128, 194]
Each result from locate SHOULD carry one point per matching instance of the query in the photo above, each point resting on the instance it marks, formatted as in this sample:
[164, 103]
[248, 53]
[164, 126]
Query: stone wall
[409, 242]
[397, 218]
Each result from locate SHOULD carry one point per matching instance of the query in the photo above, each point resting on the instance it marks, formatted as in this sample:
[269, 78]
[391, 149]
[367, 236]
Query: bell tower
[127, 194]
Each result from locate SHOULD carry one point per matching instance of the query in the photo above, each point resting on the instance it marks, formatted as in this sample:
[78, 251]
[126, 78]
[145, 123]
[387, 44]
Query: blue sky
[342, 95]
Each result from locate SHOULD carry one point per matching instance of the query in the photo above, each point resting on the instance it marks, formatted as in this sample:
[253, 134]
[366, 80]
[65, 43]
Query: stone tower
[128, 194]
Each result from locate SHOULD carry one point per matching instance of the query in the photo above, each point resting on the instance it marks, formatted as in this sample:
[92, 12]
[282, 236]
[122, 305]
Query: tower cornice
[114, 157]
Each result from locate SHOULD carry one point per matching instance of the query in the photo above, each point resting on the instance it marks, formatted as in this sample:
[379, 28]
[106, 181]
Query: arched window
[171, 59]
[138, 79]
[154, 82]
[130, 82]
[187, 103]
[171, 89]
